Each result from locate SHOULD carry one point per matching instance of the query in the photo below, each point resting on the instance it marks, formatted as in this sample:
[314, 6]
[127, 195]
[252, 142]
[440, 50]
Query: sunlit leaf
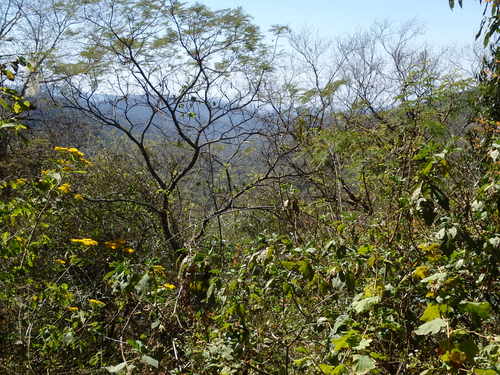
[432, 327]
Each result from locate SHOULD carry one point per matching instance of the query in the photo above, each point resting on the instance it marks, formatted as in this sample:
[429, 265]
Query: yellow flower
[421, 272]
[168, 286]
[21, 181]
[96, 302]
[158, 268]
[78, 197]
[65, 188]
[72, 150]
[129, 250]
[76, 152]
[60, 261]
[114, 244]
[85, 241]
[72, 308]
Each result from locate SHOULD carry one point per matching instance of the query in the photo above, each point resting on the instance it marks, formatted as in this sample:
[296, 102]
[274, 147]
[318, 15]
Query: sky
[332, 18]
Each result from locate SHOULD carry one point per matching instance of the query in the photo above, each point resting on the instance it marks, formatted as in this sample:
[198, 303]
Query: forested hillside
[182, 193]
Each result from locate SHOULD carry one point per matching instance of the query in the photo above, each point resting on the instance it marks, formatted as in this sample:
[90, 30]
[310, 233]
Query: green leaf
[143, 284]
[432, 327]
[454, 357]
[117, 368]
[10, 75]
[149, 361]
[348, 340]
[440, 276]
[481, 309]
[468, 346]
[331, 87]
[13, 125]
[330, 370]
[17, 108]
[300, 362]
[363, 344]
[365, 304]
[485, 372]
[434, 311]
[136, 344]
[306, 270]
[339, 322]
[364, 364]
[365, 249]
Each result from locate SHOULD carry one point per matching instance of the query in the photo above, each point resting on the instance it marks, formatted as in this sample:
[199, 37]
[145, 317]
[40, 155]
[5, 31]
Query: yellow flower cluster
[65, 188]
[114, 244]
[72, 308]
[158, 268]
[85, 241]
[60, 261]
[168, 286]
[21, 181]
[421, 272]
[78, 197]
[72, 150]
[96, 302]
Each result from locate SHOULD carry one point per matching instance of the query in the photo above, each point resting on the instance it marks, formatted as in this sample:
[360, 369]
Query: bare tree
[10, 13]
[379, 78]
[186, 79]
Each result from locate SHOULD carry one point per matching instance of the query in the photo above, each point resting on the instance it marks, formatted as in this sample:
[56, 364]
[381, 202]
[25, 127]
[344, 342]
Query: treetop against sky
[337, 17]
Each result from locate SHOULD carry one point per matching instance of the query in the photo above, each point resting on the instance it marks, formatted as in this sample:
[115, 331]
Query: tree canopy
[183, 194]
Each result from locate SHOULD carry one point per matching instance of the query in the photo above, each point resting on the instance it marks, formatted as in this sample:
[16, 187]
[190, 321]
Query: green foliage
[380, 257]
[490, 23]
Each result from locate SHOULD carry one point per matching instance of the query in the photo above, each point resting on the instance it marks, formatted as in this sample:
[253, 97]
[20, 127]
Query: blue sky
[332, 18]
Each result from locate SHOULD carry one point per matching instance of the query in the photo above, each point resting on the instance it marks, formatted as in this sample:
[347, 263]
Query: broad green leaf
[365, 249]
[485, 372]
[348, 340]
[149, 361]
[468, 346]
[440, 276]
[454, 357]
[117, 368]
[434, 311]
[339, 322]
[364, 364]
[481, 309]
[432, 327]
[363, 344]
[300, 362]
[306, 270]
[330, 370]
[365, 304]
[143, 283]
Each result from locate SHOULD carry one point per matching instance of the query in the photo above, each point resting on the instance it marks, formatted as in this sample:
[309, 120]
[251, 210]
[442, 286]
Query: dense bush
[366, 242]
